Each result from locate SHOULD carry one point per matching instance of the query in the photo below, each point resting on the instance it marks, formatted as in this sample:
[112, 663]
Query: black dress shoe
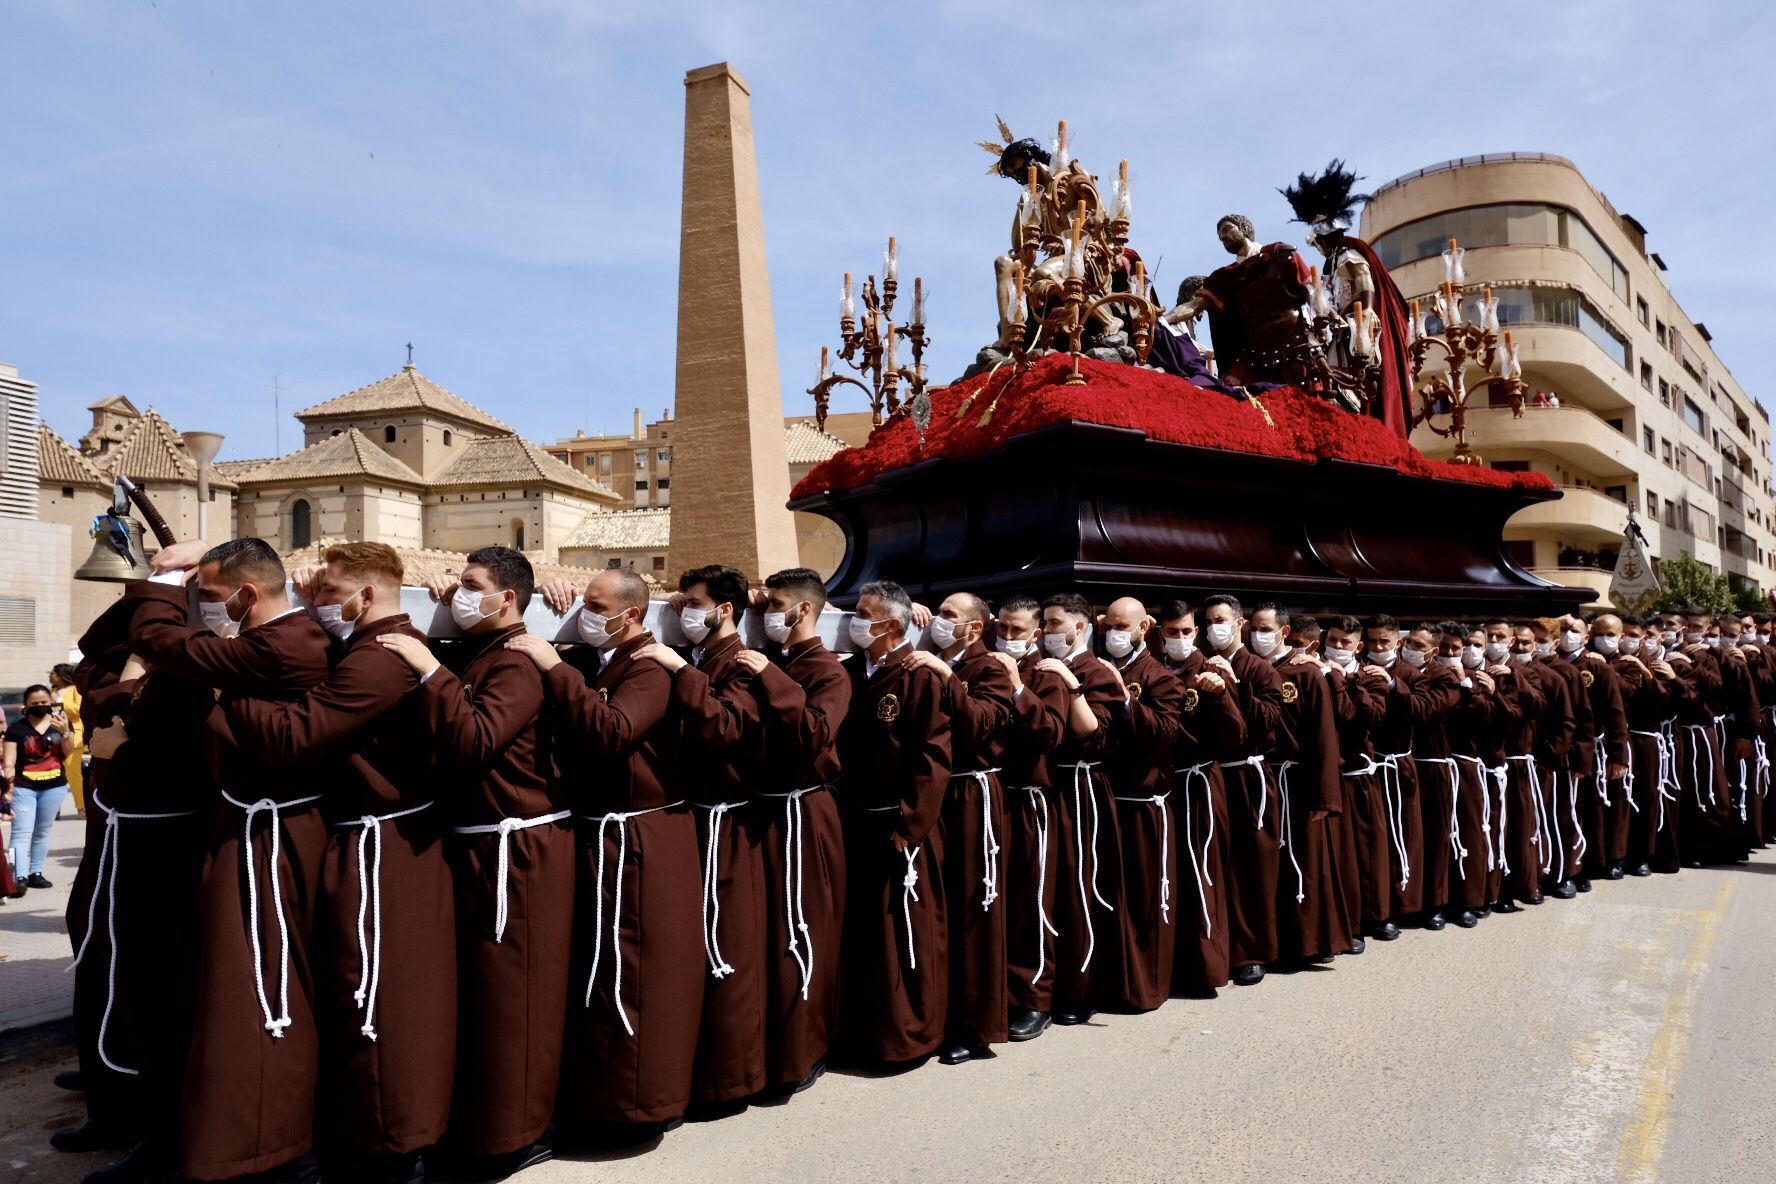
[381, 1169]
[1582, 884]
[814, 1074]
[1642, 870]
[306, 1170]
[148, 1162]
[1358, 945]
[499, 1167]
[1615, 872]
[1536, 899]
[1466, 919]
[1565, 890]
[1248, 976]
[1027, 1024]
[1483, 912]
[1434, 921]
[70, 1079]
[91, 1136]
[1386, 931]
[1069, 1016]
[955, 1054]
[38, 880]
[1507, 906]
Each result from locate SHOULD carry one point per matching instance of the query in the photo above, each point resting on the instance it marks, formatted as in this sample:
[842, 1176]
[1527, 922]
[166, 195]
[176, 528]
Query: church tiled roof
[407, 390]
[807, 444]
[349, 454]
[154, 452]
[509, 461]
[623, 530]
[59, 464]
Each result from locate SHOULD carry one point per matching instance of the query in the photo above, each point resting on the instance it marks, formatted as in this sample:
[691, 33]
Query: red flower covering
[1303, 427]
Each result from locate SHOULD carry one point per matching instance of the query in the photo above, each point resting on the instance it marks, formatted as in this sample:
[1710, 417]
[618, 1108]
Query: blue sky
[195, 197]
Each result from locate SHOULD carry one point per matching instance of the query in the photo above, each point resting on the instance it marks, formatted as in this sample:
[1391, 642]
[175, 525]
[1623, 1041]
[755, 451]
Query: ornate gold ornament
[1291, 692]
[1192, 697]
[888, 708]
[1462, 342]
[1134, 690]
[604, 694]
[870, 346]
[1588, 678]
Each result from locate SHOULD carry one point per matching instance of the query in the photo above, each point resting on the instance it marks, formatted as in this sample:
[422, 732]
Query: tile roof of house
[421, 564]
[349, 454]
[58, 463]
[407, 390]
[808, 445]
[151, 452]
[511, 460]
[622, 530]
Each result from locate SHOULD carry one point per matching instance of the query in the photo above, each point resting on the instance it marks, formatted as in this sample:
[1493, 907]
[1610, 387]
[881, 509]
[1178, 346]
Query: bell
[117, 555]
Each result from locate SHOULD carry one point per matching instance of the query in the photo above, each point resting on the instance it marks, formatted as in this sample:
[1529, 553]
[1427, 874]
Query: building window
[1499, 226]
[641, 458]
[663, 455]
[300, 524]
[1646, 376]
[1693, 416]
[1659, 331]
[1652, 504]
[1664, 393]
[447, 437]
[604, 463]
[641, 483]
[1555, 306]
[664, 483]
[517, 534]
[388, 434]
[659, 563]
[1640, 308]
[613, 563]
[1646, 435]
[68, 491]
[1665, 452]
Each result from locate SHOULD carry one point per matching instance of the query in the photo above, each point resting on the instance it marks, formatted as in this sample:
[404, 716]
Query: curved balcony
[1581, 515]
[1595, 578]
[1577, 435]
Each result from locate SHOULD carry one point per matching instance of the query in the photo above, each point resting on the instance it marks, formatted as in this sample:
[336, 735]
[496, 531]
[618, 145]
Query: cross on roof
[410, 353]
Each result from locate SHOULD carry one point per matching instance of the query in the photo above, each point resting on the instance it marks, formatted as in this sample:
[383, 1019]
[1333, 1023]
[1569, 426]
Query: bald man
[978, 693]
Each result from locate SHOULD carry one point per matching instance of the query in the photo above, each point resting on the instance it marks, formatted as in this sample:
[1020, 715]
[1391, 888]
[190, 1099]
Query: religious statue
[1176, 349]
[1255, 309]
[1360, 321]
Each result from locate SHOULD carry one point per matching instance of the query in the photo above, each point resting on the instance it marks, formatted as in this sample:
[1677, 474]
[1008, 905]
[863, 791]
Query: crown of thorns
[1008, 149]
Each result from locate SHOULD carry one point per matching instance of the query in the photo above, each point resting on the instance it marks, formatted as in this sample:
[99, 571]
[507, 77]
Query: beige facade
[36, 624]
[1630, 404]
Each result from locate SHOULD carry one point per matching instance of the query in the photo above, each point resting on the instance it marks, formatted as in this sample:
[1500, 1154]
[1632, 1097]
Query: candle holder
[869, 346]
[1462, 343]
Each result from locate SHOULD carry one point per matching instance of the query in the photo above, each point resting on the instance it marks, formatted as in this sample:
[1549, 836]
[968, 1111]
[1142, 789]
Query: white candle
[888, 353]
[918, 300]
[891, 263]
[847, 306]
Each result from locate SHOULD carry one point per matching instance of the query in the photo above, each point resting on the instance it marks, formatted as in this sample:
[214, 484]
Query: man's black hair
[509, 570]
[725, 585]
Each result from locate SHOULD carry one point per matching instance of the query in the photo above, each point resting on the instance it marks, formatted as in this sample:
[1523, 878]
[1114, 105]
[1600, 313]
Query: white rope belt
[1082, 773]
[1707, 733]
[1165, 851]
[1483, 770]
[1257, 762]
[275, 1024]
[1455, 840]
[1540, 839]
[1599, 745]
[1501, 777]
[1200, 870]
[111, 847]
[1666, 771]
[909, 888]
[1288, 827]
[989, 840]
[795, 860]
[1394, 792]
[622, 821]
[1572, 805]
[1039, 800]
[503, 868]
[712, 909]
[370, 955]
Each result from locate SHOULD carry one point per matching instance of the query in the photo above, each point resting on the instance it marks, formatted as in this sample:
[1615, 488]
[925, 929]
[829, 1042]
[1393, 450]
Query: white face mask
[465, 608]
[1544, 649]
[1669, 638]
[1693, 639]
[695, 623]
[943, 633]
[1058, 645]
[1382, 658]
[1180, 648]
[1653, 651]
[1264, 642]
[214, 615]
[1631, 645]
[1343, 659]
[1606, 646]
[1497, 651]
[1449, 661]
[1013, 649]
[1473, 657]
[594, 629]
[1713, 642]
[1521, 658]
[1221, 636]
[777, 627]
[862, 633]
[332, 617]
[1119, 643]
[1727, 643]
[1571, 640]
[1414, 658]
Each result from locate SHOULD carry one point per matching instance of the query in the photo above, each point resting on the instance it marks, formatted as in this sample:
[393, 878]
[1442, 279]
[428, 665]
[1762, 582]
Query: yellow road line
[1643, 1143]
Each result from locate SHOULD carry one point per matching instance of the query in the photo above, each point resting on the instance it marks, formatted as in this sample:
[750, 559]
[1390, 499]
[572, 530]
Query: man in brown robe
[977, 696]
[1533, 761]
[385, 931]
[1601, 806]
[249, 1101]
[1649, 785]
[804, 693]
[1088, 955]
[511, 850]
[1359, 707]
[1437, 652]
[1211, 728]
[1040, 706]
[721, 764]
[1140, 755]
[628, 1056]
[1254, 830]
[895, 747]
[1744, 733]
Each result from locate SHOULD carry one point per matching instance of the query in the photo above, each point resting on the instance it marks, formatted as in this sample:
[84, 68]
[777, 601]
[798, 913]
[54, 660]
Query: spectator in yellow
[67, 697]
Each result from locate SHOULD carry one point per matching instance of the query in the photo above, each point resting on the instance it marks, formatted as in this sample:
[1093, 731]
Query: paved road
[34, 951]
[1626, 1035]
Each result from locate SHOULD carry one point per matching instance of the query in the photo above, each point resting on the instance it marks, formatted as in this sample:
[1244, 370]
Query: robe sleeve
[925, 756]
[159, 634]
[470, 732]
[607, 729]
[716, 717]
[978, 712]
[366, 684]
[1155, 720]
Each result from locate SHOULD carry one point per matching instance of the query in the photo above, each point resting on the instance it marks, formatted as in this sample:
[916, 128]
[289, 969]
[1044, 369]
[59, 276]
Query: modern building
[1630, 405]
[35, 609]
[638, 467]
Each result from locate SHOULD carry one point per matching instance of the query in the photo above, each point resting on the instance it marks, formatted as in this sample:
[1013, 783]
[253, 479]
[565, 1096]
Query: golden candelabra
[1462, 343]
[870, 346]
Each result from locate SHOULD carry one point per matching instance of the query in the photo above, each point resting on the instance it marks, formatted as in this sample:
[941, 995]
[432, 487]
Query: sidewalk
[34, 950]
